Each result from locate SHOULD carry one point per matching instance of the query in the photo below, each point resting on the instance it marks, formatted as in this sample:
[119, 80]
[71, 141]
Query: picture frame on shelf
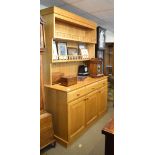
[84, 53]
[62, 50]
[72, 53]
[100, 38]
[55, 52]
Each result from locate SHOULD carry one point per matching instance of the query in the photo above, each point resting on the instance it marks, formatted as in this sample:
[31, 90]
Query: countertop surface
[109, 127]
[79, 84]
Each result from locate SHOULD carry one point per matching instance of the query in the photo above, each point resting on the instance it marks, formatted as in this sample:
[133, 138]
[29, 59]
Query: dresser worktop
[79, 84]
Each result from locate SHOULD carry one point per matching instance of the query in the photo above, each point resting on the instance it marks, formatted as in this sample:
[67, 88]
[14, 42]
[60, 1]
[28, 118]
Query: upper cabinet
[64, 26]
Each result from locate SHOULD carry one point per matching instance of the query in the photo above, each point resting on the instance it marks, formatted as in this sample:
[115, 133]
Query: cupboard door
[76, 117]
[105, 97]
[102, 100]
[91, 107]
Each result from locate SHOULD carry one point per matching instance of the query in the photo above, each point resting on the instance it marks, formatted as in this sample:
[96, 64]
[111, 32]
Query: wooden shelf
[69, 37]
[65, 26]
[75, 60]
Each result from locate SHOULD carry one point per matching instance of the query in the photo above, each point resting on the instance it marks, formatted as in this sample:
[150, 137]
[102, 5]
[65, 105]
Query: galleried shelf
[70, 60]
[72, 29]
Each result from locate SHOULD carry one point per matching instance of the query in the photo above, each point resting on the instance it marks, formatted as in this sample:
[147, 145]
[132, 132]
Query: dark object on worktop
[83, 70]
[108, 131]
[68, 80]
[56, 77]
[81, 78]
[96, 67]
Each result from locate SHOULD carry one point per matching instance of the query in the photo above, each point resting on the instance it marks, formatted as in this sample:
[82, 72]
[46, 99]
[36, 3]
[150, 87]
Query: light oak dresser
[76, 107]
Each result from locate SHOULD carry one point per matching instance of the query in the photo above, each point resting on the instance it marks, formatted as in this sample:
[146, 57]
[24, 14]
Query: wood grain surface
[109, 127]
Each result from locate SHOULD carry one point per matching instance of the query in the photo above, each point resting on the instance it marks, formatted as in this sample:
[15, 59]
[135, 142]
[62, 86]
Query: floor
[90, 143]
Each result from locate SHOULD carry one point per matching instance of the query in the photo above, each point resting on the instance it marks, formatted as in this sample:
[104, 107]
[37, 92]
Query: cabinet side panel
[57, 105]
[47, 57]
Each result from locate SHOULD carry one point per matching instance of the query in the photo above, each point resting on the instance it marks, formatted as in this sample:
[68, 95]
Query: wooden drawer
[46, 129]
[102, 83]
[46, 136]
[92, 87]
[46, 122]
[76, 94]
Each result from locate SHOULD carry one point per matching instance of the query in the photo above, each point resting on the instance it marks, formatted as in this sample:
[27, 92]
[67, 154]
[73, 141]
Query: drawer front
[46, 122]
[102, 83]
[92, 87]
[76, 94]
[46, 136]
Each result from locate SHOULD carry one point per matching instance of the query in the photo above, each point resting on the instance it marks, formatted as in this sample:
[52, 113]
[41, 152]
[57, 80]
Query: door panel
[91, 107]
[102, 100]
[76, 117]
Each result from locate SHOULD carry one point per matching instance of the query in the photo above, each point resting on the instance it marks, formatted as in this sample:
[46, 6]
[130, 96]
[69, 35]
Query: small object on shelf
[55, 53]
[56, 76]
[83, 70]
[46, 130]
[68, 80]
[83, 51]
[96, 67]
[62, 50]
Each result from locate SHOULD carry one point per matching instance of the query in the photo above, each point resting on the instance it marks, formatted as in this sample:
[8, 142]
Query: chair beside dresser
[46, 130]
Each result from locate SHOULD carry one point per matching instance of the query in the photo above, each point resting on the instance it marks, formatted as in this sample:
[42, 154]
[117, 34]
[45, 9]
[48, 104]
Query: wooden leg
[109, 144]
[53, 144]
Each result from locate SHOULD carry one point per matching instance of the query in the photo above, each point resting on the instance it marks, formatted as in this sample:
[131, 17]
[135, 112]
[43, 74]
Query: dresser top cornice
[64, 15]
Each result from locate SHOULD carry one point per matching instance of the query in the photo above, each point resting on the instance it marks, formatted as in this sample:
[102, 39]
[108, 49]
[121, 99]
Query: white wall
[109, 36]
